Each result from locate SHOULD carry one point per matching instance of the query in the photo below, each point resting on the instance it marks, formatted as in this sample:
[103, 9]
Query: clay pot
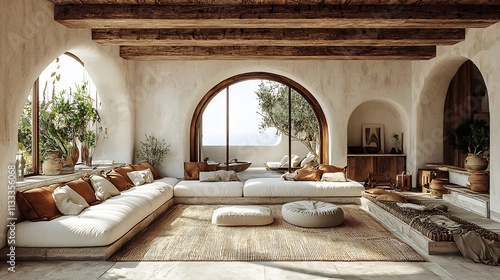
[52, 164]
[74, 155]
[479, 182]
[474, 163]
[437, 187]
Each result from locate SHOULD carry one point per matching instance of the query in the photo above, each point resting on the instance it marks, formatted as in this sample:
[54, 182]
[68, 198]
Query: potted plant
[153, 150]
[473, 137]
[69, 117]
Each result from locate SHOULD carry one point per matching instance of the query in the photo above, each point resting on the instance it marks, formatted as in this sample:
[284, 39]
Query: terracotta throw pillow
[84, 189]
[304, 174]
[331, 168]
[376, 191]
[38, 204]
[117, 180]
[123, 170]
[391, 197]
[156, 174]
[192, 169]
[138, 167]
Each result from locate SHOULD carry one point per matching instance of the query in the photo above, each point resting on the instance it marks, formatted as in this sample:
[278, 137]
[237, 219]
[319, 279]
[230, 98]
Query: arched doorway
[196, 122]
[466, 102]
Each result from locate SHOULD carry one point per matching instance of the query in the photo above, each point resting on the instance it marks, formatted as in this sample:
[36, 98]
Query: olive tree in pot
[153, 150]
[474, 137]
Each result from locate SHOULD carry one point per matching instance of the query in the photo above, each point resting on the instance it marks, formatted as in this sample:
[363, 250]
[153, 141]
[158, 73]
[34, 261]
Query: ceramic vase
[52, 163]
[475, 163]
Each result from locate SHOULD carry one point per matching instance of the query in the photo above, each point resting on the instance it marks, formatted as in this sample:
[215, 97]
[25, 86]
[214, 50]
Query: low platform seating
[242, 216]
[314, 214]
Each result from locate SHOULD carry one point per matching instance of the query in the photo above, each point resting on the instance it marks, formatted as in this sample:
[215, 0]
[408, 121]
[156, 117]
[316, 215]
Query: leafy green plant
[273, 106]
[153, 150]
[473, 136]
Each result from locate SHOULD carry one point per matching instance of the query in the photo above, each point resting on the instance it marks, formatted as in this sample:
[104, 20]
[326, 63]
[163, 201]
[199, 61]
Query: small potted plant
[153, 150]
[473, 137]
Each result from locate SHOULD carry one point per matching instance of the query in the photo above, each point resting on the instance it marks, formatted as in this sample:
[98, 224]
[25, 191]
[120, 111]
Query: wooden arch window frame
[196, 121]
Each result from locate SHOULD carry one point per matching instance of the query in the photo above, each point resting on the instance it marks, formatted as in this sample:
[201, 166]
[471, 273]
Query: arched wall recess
[378, 111]
[195, 128]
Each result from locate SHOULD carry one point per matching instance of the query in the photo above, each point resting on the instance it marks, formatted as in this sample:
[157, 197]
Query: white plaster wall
[30, 40]
[430, 82]
[168, 93]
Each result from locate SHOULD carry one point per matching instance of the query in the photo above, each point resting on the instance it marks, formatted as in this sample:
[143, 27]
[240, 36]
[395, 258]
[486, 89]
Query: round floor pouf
[312, 214]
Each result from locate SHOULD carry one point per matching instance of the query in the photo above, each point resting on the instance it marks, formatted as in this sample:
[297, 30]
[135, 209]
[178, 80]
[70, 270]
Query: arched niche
[195, 128]
[391, 116]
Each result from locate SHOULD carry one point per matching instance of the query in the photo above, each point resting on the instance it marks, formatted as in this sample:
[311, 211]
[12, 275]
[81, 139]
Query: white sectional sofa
[101, 224]
[101, 229]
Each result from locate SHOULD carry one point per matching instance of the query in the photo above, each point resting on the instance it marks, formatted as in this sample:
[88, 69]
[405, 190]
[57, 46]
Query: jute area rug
[185, 233]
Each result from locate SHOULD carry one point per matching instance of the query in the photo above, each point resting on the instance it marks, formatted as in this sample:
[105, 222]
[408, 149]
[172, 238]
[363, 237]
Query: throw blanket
[472, 245]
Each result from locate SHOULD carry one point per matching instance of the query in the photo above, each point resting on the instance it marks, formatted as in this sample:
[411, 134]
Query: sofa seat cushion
[191, 188]
[278, 187]
[98, 225]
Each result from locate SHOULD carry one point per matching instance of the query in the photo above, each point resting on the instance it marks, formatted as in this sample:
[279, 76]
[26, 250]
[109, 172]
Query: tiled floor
[437, 267]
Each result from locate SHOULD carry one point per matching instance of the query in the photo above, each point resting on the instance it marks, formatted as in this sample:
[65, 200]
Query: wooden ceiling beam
[275, 53]
[280, 2]
[278, 37]
[276, 16]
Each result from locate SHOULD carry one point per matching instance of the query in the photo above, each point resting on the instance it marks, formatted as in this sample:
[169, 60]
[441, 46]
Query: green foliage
[473, 136]
[273, 106]
[153, 150]
[25, 128]
[70, 116]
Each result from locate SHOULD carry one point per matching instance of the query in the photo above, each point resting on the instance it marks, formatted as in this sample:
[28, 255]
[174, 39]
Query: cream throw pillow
[296, 160]
[218, 176]
[141, 177]
[103, 188]
[334, 177]
[68, 201]
[309, 158]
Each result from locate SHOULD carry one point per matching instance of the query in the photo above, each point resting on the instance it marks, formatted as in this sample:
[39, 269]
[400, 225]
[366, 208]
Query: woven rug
[185, 233]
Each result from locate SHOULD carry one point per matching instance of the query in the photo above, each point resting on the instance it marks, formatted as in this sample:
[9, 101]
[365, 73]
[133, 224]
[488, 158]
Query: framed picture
[373, 138]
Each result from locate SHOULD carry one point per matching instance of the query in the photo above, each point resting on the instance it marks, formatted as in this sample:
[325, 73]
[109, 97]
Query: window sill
[43, 180]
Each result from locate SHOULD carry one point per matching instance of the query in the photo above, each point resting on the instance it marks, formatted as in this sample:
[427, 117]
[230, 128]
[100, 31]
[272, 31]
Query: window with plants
[60, 114]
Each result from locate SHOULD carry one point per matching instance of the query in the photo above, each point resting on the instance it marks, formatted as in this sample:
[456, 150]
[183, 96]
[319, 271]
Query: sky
[243, 118]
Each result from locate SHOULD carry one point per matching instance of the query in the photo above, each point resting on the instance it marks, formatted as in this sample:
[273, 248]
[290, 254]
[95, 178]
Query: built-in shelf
[359, 166]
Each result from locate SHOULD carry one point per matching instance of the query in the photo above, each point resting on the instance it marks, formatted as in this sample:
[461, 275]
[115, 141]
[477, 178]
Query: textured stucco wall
[30, 40]
[170, 91]
[430, 82]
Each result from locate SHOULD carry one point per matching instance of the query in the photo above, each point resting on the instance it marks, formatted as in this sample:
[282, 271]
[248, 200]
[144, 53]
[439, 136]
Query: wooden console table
[360, 165]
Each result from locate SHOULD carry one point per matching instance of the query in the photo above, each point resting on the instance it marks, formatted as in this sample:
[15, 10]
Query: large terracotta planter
[479, 181]
[474, 163]
[437, 187]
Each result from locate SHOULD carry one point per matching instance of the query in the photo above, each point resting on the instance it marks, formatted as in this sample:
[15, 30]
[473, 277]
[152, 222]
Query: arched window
[228, 122]
[64, 75]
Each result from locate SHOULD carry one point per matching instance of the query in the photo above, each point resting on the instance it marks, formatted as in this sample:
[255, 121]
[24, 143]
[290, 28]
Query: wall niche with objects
[376, 127]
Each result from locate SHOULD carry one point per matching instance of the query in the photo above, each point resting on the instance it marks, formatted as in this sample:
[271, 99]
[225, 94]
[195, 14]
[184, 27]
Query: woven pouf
[242, 216]
[312, 214]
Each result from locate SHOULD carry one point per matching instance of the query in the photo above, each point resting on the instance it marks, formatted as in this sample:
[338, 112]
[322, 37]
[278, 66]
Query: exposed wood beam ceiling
[277, 29]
